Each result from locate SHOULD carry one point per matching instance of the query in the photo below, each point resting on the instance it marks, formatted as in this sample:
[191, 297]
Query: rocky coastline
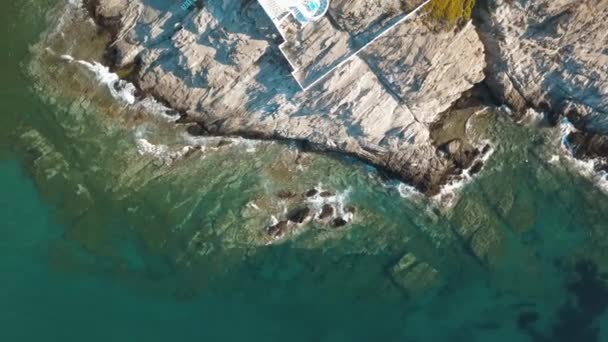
[551, 56]
[219, 67]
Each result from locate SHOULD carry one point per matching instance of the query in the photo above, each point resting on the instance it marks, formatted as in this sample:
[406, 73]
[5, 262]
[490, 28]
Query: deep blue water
[39, 303]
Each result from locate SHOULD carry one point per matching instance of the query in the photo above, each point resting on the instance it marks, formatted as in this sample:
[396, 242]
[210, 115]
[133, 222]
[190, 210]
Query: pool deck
[316, 49]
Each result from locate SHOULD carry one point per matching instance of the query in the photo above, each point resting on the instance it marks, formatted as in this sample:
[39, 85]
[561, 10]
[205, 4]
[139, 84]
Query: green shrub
[450, 12]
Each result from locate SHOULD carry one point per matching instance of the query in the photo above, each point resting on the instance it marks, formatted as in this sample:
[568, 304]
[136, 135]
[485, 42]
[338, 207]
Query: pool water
[313, 6]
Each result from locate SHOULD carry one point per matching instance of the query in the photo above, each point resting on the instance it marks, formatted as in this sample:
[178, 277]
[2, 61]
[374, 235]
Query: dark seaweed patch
[578, 315]
[526, 319]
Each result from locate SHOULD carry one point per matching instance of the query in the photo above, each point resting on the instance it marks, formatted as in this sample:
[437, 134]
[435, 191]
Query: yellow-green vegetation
[451, 12]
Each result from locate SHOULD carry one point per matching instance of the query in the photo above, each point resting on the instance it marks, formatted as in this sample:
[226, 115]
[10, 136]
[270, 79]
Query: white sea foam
[253, 205]
[565, 128]
[161, 152]
[586, 168]
[212, 142]
[554, 159]
[532, 117]
[407, 191]
[449, 192]
[144, 147]
[150, 105]
[404, 190]
[448, 195]
[338, 200]
[273, 220]
[120, 89]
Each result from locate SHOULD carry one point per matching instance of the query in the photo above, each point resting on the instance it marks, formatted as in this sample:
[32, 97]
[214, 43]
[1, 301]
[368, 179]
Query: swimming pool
[313, 5]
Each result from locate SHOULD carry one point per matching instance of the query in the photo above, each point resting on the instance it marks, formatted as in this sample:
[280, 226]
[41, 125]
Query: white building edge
[306, 11]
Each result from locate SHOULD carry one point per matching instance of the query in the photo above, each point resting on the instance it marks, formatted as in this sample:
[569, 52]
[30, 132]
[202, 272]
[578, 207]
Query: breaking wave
[338, 200]
[448, 195]
[161, 152]
[586, 168]
[119, 89]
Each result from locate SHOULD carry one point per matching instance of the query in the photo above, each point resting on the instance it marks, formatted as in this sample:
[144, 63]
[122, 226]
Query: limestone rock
[338, 222]
[298, 215]
[278, 230]
[221, 67]
[357, 16]
[550, 54]
[326, 211]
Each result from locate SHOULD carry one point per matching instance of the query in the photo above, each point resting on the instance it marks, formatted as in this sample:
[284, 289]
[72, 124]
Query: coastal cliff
[220, 67]
[553, 56]
[550, 55]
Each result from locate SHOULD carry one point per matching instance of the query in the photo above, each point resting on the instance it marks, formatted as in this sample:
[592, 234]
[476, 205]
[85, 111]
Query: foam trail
[120, 89]
[161, 152]
[449, 192]
[586, 168]
[150, 105]
[212, 141]
[565, 128]
[407, 191]
[339, 201]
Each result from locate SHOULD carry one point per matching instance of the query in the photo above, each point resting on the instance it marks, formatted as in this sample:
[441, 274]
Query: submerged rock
[327, 211]
[477, 166]
[311, 193]
[286, 194]
[350, 209]
[278, 230]
[486, 244]
[414, 275]
[338, 222]
[327, 194]
[224, 142]
[298, 215]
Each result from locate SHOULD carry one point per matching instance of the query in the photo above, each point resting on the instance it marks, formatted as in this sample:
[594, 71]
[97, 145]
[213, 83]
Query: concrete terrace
[313, 46]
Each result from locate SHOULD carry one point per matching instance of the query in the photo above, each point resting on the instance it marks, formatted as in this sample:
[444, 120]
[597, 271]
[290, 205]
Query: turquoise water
[100, 242]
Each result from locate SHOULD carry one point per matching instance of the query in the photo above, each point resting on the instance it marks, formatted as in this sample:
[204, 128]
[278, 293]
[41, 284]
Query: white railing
[274, 9]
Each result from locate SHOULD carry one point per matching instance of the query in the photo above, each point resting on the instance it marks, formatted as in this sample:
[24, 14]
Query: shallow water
[107, 238]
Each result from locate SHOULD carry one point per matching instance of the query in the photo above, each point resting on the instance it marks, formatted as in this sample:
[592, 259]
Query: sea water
[110, 234]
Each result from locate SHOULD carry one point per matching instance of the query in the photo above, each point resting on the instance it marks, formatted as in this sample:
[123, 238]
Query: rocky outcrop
[359, 16]
[591, 147]
[550, 54]
[323, 208]
[221, 68]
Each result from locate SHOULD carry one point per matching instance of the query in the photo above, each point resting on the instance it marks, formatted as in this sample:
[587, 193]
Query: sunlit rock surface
[550, 54]
[220, 66]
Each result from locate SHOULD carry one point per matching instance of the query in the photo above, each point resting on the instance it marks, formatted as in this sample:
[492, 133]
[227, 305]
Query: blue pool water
[313, 5]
